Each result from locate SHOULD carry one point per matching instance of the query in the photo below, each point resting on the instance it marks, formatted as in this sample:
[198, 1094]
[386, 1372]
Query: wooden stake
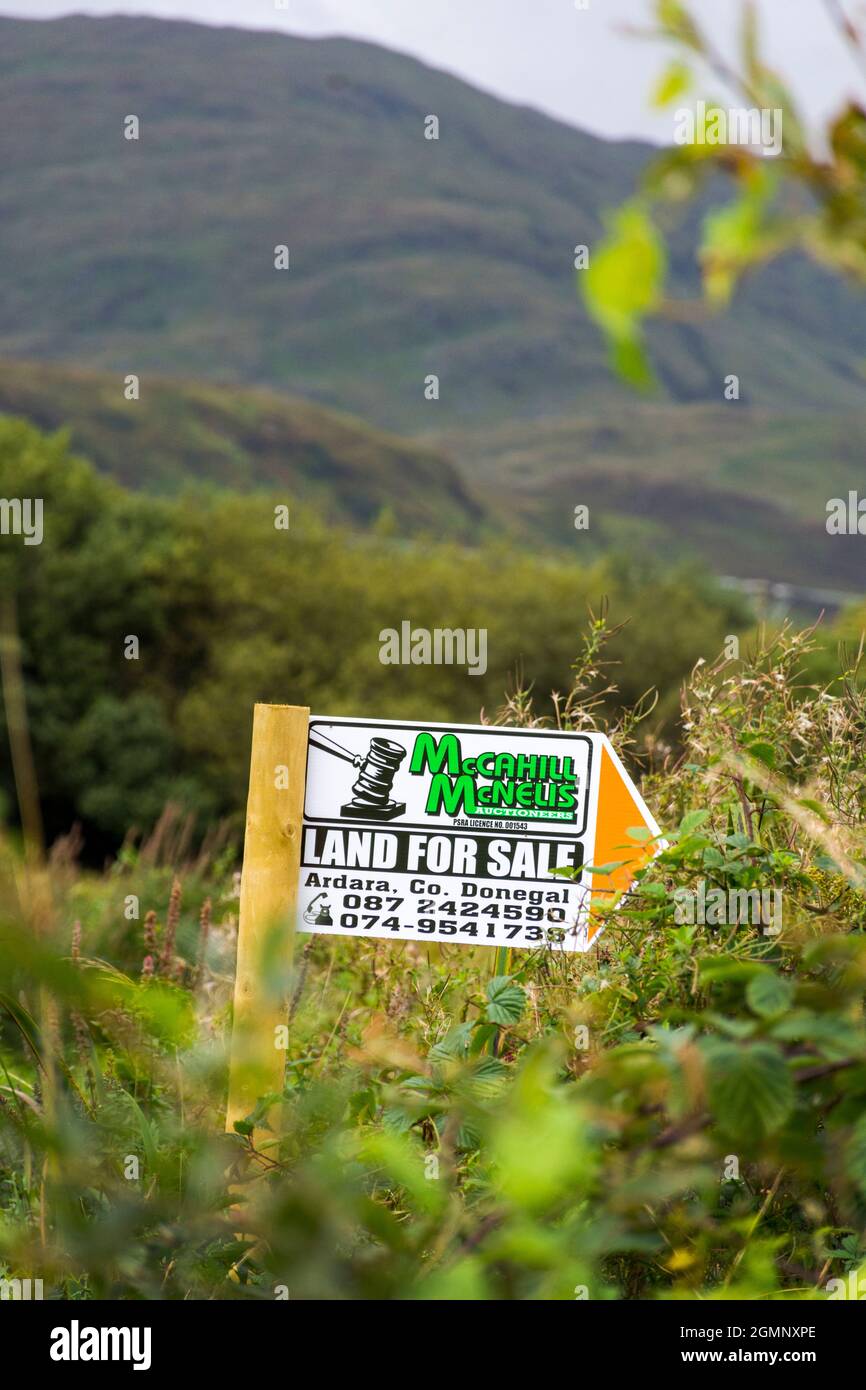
[269, 889]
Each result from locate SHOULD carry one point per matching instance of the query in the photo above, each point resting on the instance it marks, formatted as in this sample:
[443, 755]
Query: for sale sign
[465, 833]
[418, 832]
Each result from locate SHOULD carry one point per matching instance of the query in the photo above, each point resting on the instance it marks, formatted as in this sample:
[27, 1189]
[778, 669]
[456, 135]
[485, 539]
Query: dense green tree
[227, 609]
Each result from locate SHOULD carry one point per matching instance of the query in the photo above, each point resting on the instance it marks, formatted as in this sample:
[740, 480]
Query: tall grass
[677, 1114]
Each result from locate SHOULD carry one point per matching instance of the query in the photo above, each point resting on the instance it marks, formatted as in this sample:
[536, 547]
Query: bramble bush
[677, 1114]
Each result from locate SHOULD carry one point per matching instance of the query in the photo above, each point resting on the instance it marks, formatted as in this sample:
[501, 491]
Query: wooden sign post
[268, 907]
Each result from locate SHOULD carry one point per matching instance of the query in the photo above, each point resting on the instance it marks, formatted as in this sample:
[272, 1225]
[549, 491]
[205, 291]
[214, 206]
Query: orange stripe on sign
[617, 812]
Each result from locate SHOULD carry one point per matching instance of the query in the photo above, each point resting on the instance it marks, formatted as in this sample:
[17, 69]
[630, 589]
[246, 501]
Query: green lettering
[456, 799]
[430, 753]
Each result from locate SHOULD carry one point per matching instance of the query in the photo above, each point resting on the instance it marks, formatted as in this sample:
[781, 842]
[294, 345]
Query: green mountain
[182, 432]
[407, 256]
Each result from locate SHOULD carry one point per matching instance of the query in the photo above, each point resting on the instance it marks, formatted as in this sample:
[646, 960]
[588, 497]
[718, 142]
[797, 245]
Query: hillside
[180, 432]
[408, 256]
[751, 506]
[742, 488]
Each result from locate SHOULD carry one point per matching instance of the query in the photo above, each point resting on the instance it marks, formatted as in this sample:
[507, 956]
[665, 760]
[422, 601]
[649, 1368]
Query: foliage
[676, 1115]
[228, 610]
[807, 200]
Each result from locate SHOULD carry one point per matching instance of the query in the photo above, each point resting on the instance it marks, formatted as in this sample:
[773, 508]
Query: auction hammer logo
[372, 799]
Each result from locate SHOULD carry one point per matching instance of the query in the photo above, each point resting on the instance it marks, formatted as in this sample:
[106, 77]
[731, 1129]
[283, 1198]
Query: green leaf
[675, 19]
[675, 80]
[485, 1036]
[653, 890]
[833, 1036]
[488, 1075]
[731, 1027]
[25, 1023]
[147, 1132]
[735, 237]
[506, 1000]
[640, 832]
[629, 360]
[712, 968]
[769, 994]
[764, 752]
[540, 1144]
[396, 1119]
[454, 1044]
[401, 1164]
[751, 1088]
[462, 1282]
[690, 822]
[623, 284]
[739, 841]
[605, 868]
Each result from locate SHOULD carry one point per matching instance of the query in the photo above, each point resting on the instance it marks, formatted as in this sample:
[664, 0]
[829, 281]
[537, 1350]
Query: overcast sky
[576, 64]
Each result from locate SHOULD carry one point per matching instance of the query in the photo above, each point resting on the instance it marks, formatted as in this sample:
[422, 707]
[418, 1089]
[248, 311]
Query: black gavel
[377, 770]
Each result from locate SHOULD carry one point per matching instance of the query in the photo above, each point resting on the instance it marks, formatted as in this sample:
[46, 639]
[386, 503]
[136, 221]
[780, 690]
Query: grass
[677, 1114]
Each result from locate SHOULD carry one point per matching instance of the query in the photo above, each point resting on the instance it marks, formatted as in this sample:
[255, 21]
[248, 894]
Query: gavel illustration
[372, 799]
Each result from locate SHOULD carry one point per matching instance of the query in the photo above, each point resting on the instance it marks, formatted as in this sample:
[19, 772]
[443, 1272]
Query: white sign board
[452, 833]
